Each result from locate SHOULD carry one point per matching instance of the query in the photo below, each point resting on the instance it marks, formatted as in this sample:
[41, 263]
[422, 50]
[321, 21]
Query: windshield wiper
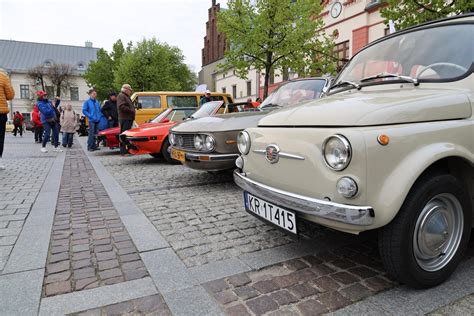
[344, 83]
[390, 75]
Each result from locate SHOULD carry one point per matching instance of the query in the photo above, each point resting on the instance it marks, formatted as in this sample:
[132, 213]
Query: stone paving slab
[97, 297]
[90, 247]
[150, 305]
[464, 306]
[20, 293]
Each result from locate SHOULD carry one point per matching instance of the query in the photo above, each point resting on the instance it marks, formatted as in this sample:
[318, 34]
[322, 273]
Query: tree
[406, 13]
[154, 66]
[276, 34]
[37, 75]
[60, 76]
[100, 74]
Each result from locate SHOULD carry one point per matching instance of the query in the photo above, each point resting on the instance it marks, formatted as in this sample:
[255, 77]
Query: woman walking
[37, 125]
[68, 123]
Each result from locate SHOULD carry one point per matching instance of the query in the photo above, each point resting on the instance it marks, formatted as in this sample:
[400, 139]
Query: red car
[110, 136]
[153, 139]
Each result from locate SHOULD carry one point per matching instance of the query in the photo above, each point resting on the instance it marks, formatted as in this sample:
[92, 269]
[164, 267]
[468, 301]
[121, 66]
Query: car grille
[188, 141]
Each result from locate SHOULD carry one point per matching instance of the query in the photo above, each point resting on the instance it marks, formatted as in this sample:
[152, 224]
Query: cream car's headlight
[198, 142]
[172, 139]
[209, 143]
[243, 142]
[337, 152]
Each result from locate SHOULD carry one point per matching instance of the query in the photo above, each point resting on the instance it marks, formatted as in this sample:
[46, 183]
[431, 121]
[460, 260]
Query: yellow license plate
[178, 155]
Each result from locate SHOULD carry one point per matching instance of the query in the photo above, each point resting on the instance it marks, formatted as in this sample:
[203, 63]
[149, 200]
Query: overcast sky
[178, 22]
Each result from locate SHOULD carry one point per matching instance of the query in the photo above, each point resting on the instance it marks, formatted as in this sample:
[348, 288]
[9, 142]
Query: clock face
[336, 9]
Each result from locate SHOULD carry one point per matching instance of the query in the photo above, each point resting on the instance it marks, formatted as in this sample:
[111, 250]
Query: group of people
[117, 110]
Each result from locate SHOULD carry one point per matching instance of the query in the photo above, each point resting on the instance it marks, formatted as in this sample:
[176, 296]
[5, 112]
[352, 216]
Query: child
[68, 124]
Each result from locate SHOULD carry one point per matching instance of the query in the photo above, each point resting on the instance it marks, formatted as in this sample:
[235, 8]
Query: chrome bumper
[348, 214]
[209, 157]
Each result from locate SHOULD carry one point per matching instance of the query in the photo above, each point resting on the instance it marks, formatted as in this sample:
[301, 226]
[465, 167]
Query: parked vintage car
[152, 138]
[9, 127]
[391, 148]
[211, 143]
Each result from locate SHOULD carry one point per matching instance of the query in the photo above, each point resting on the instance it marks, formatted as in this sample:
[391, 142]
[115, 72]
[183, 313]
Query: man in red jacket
[37, 125]
[18, 123]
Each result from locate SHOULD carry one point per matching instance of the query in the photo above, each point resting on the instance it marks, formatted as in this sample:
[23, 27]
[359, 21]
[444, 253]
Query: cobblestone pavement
[200, 214]
[310, 285]
[151, 305]
[21, 182]
[90, 246]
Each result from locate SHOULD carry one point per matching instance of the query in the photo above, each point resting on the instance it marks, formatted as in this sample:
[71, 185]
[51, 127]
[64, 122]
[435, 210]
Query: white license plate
[272, 213]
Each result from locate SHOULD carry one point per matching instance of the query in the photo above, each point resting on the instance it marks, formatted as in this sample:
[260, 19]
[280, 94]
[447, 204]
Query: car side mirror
[165, 120]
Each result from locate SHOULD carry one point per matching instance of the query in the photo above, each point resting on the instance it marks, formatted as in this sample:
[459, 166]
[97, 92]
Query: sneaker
[44, 150]
[58, 149]
[2, 167]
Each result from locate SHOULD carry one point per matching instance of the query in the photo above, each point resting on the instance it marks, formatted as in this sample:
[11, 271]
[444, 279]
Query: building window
[50, 92]
[249, 88]
[341, 51]
[234, 91]
[224, 90]
[24, 91]
[74, 93]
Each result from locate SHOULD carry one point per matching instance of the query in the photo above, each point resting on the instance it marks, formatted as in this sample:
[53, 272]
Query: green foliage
[148, 66]
[406, 13]
[276, 34]
[154, 66]
[100, 74]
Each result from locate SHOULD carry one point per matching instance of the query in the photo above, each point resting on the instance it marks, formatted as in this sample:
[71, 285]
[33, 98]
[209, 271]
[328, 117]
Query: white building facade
[17, 58]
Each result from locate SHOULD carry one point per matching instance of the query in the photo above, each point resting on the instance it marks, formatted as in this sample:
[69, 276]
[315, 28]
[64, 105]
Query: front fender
[395, 168]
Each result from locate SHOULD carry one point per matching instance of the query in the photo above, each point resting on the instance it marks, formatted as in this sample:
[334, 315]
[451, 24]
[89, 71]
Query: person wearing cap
[91, 110]
[109, 109]
[49, 121]
[206, 98]
[6, 93]
[126, 112]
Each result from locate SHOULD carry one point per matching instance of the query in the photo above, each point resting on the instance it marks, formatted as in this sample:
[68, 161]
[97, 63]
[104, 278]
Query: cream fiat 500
[391, 148]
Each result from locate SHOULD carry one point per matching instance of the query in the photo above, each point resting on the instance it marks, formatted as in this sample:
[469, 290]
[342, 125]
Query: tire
[166, 154]
[422, 260]
[156, 155]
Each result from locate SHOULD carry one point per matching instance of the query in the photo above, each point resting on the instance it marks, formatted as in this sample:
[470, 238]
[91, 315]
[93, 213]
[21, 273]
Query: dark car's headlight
[337, 152]
[243, 142]
[198, 142]
[209, 143]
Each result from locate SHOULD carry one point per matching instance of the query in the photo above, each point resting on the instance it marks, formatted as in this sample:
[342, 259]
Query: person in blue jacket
[91, 109]
[48, 119]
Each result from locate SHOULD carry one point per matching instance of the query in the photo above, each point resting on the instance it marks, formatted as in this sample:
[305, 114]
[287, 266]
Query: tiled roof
[21, 56]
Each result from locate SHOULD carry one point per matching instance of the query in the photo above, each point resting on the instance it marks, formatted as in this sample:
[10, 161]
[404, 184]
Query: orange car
[152, 138]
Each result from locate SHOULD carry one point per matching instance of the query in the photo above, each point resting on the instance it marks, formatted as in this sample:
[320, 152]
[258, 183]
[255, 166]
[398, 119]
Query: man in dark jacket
[109, 109]
[126, 112]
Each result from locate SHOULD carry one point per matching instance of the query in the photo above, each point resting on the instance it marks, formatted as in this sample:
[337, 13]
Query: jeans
[39, 134]
[125, 125]
[93, 130]
[48, 128]
[67, 139]
[3, 125]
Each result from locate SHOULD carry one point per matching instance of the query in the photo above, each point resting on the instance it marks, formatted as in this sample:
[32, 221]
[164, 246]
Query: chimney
[88, 44]
[213, 3]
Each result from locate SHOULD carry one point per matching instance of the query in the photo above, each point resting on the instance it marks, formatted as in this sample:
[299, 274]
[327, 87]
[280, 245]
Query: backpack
[16, 121]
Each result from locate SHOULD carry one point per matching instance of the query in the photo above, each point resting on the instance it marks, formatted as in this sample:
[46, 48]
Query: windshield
[161, 116]
[207, 109]
[435, 54]
[295, 92]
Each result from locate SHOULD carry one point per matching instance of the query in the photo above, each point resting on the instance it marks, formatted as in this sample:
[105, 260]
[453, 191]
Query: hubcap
[438, 232]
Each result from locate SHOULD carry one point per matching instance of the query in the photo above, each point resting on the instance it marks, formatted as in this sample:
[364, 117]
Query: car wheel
[166, 154]
[156, 155]
[424, 243]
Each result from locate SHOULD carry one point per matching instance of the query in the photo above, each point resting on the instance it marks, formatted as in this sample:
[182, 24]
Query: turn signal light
[383, 139]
